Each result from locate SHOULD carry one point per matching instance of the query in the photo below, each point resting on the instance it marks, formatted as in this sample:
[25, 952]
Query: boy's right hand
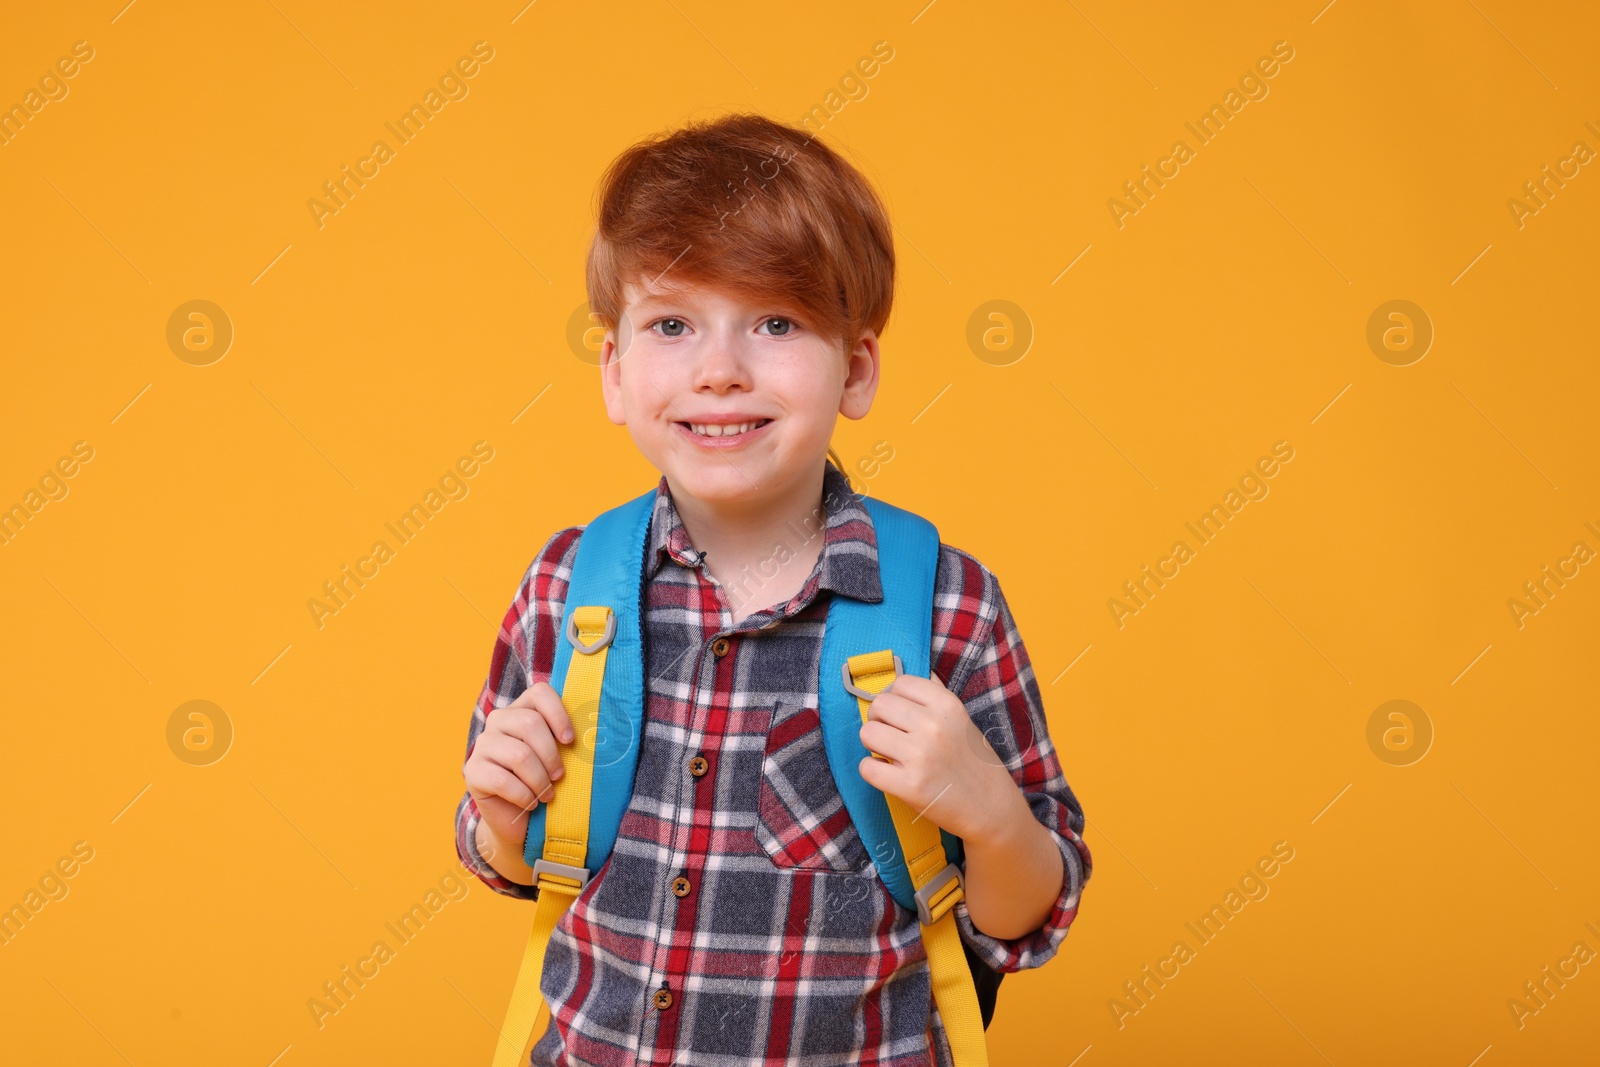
[515, 761]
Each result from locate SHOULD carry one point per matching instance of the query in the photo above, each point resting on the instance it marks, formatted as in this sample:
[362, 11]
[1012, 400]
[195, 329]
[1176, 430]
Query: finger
[522, 759]
[879, 775]
[893, 709]
[548, 702]
[916, 689]
[496, 772]
[542, 697]
[514, 756]
[493, 780]
[530, 729]
[885, 740]
[525, 698]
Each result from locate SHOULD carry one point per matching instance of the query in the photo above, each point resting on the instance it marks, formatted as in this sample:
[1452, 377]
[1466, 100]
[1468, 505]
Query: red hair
[749, 205]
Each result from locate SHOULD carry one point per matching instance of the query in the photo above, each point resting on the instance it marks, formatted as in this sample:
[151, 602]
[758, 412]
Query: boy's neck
[759, 551]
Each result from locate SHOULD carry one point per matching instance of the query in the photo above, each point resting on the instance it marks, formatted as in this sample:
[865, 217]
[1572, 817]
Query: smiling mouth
[716, 430]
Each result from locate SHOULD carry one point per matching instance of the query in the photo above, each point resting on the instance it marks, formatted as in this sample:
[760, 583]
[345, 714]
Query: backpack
[599, 671]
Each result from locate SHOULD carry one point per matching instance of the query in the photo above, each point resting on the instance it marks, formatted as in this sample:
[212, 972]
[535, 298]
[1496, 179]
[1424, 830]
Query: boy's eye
[776, 326]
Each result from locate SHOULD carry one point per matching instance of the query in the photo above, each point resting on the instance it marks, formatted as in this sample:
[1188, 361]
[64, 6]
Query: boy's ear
[861, 377]
[611, 378]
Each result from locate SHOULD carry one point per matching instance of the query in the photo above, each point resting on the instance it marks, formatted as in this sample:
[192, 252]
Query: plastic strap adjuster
[936, 883]
[856, 690]
[560, 870]
[604, 640]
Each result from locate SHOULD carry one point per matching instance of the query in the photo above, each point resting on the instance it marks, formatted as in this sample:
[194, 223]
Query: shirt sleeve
[997, 685]
[524, 653]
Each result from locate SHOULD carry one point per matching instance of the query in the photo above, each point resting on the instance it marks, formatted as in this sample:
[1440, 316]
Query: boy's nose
[721, 360]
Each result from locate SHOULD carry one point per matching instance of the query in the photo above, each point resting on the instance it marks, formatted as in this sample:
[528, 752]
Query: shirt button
[662, 998]
[719, 647]
[698, 766]
[680, 886]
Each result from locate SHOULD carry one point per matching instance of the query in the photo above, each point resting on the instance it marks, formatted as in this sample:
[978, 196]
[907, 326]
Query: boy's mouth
[719, 434]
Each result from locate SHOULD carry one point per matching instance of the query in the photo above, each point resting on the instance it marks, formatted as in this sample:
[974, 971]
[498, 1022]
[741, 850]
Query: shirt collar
[849, 560]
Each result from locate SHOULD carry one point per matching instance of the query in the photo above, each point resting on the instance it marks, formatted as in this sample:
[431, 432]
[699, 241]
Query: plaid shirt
[786, 946]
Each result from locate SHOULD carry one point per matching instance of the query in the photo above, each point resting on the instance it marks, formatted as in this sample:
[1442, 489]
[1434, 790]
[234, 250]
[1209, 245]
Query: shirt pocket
[801, 820]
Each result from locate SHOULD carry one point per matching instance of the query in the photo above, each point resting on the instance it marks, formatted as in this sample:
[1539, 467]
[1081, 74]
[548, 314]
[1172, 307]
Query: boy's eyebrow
[657, 297]
[684, 298]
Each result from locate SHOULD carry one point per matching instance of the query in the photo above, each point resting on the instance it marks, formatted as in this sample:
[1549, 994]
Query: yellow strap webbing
[953, 991]
[567, 842]
[566, 838]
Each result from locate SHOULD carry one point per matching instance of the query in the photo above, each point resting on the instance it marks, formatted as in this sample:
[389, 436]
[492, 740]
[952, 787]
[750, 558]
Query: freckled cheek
[650, 395]
[800, 386]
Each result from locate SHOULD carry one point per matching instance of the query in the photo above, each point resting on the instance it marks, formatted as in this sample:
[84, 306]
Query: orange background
[1228, 314]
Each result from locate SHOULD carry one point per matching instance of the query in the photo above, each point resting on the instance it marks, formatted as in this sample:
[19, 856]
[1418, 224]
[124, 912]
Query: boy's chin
[719, 482]
[730, 485]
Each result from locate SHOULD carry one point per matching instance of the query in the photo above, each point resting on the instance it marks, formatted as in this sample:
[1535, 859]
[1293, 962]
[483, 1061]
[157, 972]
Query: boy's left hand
[943, 766]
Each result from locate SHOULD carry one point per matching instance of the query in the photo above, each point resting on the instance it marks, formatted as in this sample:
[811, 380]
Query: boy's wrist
[1010, 823]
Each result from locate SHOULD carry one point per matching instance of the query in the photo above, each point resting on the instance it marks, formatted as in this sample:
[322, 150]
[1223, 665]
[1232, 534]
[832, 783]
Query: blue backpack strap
[607, 571]
[908, 560]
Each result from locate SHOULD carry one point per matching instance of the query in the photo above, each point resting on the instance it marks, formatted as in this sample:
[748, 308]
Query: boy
[740, 917]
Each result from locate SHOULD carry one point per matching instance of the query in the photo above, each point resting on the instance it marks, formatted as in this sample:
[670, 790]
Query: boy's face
[697, 356]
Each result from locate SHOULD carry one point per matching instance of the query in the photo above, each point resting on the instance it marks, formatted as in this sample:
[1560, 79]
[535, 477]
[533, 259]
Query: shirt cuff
[1036, 947]
[467, 819]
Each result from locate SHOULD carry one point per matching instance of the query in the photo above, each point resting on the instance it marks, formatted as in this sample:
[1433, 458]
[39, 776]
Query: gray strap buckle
[850, 684]
[577, 874]
[604, 640]
[937, 882]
